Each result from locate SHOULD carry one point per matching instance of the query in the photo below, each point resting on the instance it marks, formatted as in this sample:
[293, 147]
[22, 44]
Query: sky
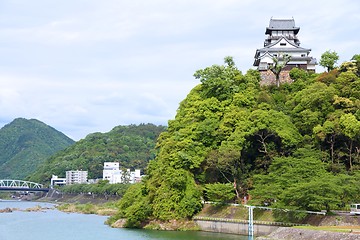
[85, 66]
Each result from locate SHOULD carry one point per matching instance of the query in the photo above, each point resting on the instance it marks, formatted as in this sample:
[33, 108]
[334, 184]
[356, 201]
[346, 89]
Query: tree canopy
[278, 144]
[328, 59]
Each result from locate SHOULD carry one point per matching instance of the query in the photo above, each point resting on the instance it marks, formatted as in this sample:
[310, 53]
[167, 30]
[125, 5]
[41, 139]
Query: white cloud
[87, 66]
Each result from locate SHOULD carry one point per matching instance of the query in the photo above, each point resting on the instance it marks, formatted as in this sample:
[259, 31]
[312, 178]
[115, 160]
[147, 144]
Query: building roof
[313, 61]
[271, 48]
[270, 54]
[282, 24]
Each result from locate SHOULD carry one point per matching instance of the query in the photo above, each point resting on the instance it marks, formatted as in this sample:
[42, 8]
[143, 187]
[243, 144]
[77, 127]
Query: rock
[119, 223]
[6, 210]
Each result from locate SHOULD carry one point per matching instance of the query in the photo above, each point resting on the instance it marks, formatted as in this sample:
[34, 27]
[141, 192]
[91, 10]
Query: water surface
[56, 225]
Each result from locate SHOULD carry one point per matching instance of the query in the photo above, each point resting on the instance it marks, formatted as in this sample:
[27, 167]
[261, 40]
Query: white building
[135, 176]
[113, 174]
[56, 181]
[73, 177]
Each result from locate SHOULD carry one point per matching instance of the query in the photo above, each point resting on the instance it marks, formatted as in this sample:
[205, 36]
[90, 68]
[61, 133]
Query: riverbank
[106, 205]
[84, 198]
[36, 208]
[57, 225]
[82, 203]
[106, 209]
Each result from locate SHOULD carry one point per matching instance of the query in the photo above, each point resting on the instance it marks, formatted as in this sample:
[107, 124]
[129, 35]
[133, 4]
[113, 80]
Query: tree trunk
[332, 143]
[350, 154]
[277, 79]
[236, 190]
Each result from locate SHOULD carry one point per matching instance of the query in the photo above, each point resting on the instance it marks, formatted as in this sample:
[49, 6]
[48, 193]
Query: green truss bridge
[21, 186]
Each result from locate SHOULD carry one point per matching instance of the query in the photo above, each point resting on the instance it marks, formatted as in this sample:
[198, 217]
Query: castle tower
[282, 40]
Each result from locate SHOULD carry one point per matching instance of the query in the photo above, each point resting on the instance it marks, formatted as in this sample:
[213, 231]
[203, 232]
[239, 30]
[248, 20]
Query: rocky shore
[33, 209]
[302, 234]
[58, 197]
[6, 210]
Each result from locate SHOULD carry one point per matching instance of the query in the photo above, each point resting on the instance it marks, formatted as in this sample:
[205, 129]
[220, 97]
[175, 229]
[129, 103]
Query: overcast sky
[85, 66]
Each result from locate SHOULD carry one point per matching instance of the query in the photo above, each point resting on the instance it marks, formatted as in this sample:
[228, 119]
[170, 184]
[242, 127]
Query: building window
[282, 44]
[303, 55]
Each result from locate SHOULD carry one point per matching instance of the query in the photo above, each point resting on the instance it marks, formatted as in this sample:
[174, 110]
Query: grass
[88, 208]
[235, 212]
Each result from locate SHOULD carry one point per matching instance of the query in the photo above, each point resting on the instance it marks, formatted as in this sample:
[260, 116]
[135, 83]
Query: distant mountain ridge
[27, 143]
[133, 146]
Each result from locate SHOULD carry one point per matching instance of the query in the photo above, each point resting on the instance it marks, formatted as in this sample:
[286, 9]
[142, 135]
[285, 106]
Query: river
[55, 225]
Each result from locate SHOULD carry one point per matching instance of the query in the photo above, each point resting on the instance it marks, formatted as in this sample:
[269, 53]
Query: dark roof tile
[282, 24]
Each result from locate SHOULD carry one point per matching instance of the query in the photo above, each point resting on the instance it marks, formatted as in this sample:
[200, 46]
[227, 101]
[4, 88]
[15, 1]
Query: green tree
[231, 168]
[315, 194]
[172, 193]
[278, 65]
[220, 81]
[219, 192]
[284, 173]
[328, 60]
[351, 129]
[329, 132]
[134, 206]
[310, 106]
[348, 67]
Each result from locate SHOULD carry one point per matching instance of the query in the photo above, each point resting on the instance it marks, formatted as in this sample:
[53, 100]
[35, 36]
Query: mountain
[133, 146]
[25, 144]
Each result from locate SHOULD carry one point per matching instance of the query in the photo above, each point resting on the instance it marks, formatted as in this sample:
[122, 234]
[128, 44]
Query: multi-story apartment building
[73, 177]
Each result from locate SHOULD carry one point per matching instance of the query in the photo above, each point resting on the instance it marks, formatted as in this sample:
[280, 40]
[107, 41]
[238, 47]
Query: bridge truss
[7, 183]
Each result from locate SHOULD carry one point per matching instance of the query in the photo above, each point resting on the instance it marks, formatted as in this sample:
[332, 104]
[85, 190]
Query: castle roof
[282, 25]
[272, 48]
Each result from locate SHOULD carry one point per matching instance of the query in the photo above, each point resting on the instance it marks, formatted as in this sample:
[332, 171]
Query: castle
[282, 41]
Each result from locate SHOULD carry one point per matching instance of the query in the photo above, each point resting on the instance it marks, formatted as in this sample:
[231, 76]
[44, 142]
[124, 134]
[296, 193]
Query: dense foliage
[294, 146]
[26, 144]
[133, 146]
[102, 188]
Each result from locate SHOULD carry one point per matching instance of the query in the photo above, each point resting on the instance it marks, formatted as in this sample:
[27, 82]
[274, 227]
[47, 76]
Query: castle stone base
[269, 78]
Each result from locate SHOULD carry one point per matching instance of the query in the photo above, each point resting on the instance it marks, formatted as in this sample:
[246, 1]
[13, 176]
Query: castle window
[282, 44]
[303, 55]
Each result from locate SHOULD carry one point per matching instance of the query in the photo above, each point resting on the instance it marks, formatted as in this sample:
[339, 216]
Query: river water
[55, 225]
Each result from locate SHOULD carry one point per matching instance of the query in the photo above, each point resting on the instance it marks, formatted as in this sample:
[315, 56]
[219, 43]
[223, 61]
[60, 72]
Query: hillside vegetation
[26, 144]
[296, 146]
[133, 146]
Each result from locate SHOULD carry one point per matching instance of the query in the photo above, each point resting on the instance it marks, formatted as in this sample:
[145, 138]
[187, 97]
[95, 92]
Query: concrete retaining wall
[234, 227]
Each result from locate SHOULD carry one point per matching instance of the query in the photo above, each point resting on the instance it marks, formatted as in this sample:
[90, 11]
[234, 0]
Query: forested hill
[26, 144]
[295, 146]
[133, 146]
